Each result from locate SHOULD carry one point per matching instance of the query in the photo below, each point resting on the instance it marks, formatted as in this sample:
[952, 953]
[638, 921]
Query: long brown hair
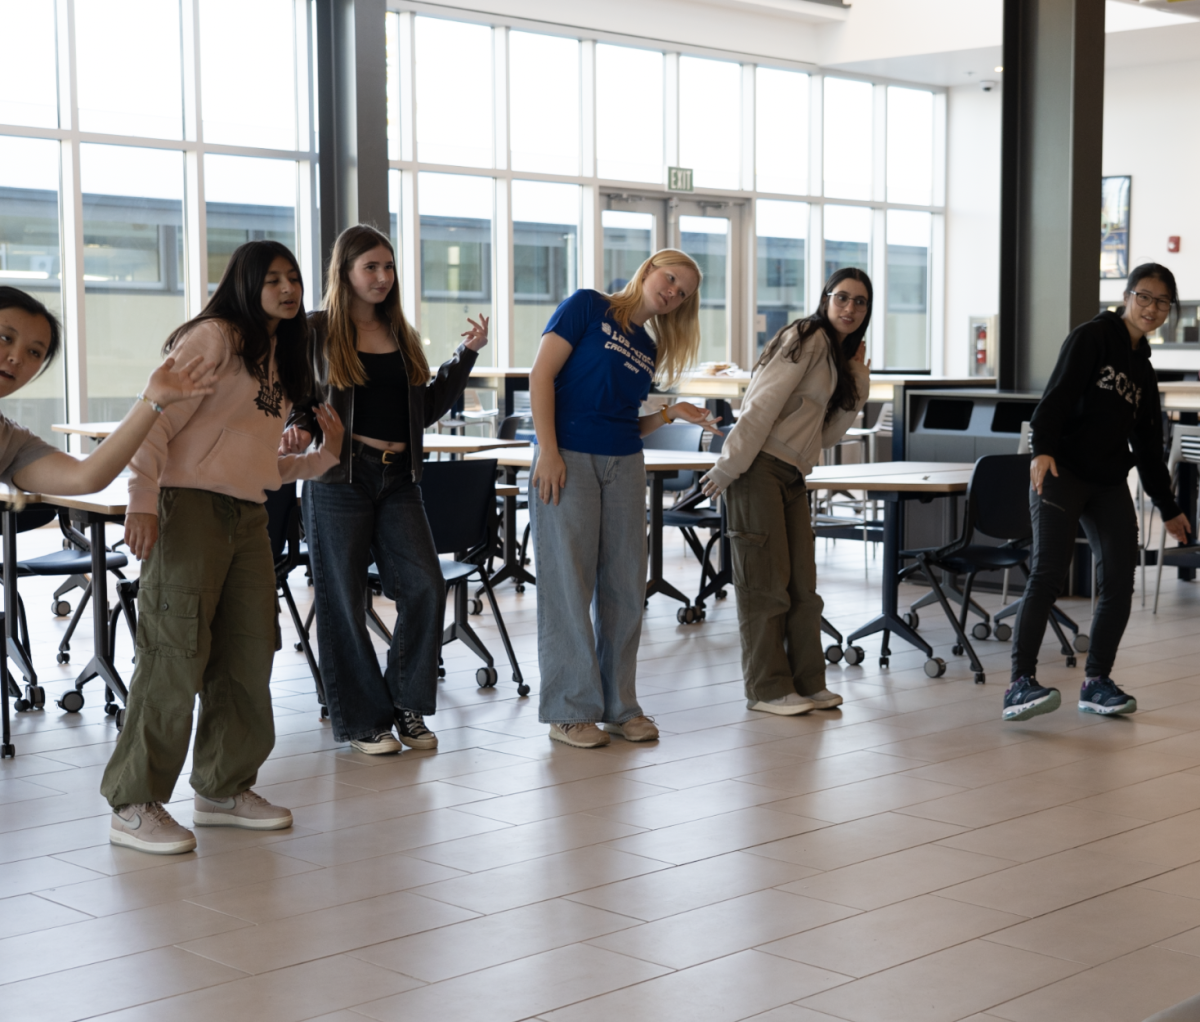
[345, 367]
[845, 393]
[677, 334]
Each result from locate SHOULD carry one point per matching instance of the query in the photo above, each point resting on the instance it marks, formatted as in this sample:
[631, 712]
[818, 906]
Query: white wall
[1150, 133]
[972, 217]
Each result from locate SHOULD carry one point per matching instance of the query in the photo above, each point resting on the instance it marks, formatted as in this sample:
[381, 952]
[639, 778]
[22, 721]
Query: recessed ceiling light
[998, 69]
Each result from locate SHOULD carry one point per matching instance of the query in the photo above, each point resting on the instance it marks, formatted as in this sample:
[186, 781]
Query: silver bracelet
[153, 404]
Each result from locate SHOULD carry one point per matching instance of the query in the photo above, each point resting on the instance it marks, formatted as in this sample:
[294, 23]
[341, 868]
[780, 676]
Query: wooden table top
[498, 372]
[656, 460]
[894, 477]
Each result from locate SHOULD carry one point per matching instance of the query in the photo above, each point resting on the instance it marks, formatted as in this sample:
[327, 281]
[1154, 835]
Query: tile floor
[906, 857]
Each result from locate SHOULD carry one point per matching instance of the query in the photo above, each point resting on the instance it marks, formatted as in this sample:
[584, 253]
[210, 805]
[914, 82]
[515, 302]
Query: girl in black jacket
[1100, 416]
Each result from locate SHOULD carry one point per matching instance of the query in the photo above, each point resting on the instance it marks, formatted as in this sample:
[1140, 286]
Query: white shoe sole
[377, 750]
[203, 819]
[827, 704]
[420, 744]
[616, 729]
[558, 736]
[795, 710]
[127, 840]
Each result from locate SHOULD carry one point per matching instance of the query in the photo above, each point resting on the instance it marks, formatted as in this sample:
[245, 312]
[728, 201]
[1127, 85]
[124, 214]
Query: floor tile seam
[749, 849]
[531, 858]
[1156, 942]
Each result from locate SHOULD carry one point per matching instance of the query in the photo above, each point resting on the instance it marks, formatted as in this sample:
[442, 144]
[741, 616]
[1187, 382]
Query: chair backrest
[35, 516]
[460, 503]
[511, 426]
[717, 443]
[998, 497]
[281, 511]
[1185, 446]
[678, 436]
[884, 423]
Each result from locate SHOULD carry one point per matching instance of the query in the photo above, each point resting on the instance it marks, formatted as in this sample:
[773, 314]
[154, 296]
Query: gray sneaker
[246, 810]
[825, 700]
[581, 736]
[148, 827]
[791, 705]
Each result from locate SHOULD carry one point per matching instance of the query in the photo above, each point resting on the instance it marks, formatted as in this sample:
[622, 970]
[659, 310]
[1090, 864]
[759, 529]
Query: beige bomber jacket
[783, 411]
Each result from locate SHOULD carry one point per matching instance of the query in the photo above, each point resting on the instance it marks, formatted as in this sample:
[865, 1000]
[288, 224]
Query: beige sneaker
[791, 705]
[246, 810]
[582, 736]
[636, 729]
[148, 827]
[825, 700]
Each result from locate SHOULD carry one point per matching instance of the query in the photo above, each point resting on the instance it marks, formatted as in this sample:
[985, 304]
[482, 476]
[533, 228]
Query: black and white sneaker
[1025, 698]
[377, 745]
[410, 726]
[1101, 695]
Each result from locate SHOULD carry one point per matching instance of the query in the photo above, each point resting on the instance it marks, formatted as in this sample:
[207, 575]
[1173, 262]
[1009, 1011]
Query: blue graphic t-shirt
[600, 389]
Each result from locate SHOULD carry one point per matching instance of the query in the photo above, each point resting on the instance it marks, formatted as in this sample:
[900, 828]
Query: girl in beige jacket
[803, 397]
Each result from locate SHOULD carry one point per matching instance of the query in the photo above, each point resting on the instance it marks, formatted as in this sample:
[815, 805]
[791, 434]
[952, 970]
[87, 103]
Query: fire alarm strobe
[1173, 243]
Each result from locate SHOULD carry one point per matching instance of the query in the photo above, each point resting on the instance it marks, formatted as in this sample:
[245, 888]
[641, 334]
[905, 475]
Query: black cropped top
[381, 404]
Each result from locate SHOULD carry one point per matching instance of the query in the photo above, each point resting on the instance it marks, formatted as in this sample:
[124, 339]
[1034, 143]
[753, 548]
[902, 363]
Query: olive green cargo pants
[207, 627]
[775, 577]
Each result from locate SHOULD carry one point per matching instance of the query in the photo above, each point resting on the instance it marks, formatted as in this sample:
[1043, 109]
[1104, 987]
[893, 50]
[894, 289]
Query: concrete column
[1050, 181]
[352, 111]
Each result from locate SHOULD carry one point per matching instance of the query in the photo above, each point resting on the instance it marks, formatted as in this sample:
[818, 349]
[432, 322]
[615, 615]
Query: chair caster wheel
[689, 616]
[63, 658]
[935, 667]
[1003, 632]
[298, 647]
[982, 630]
[980, 678]
[60, 608]
[956, 649]
[1071, 661]
[21, 705]
[120, 718]
[71, 702]
[883, 661]
[111, 709]
[855, 655]
[1082, 643]
[912, 619]
[521, 588]
[485, 677]
[522, 690]
[324, 714]
[36, 695]
[8, 751]
[833, 653]
[441, 672]
[722, 593]
[475, 605]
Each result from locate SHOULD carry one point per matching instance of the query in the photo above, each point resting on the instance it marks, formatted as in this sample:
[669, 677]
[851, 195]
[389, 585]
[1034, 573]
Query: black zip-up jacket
[1101, 415]
[426, 404]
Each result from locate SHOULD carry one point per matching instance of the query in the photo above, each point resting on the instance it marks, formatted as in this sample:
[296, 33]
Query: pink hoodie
[226, 442]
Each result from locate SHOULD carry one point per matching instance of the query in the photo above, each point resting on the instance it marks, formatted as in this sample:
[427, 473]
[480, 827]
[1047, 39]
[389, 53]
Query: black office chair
[678, 436]
[460, 503]
[514, 427]
[997, 505]
[283, 530]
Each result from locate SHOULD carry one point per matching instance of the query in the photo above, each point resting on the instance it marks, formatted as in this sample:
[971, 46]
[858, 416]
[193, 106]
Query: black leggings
[1106, 513]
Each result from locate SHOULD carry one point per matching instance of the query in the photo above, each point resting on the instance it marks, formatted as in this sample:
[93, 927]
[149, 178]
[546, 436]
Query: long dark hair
[345, 367]
[238, 302]
[845, 393]
[13, 298]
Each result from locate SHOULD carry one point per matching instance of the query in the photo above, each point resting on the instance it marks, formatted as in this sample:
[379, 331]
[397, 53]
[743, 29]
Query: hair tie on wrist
[153, 404]
[666, 418]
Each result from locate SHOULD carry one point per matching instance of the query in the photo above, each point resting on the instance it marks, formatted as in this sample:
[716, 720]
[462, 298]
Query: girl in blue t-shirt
[593, 370]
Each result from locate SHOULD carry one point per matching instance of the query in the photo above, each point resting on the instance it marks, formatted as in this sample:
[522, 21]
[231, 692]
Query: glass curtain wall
[628, 242]
[782, 230]
[706, 239]
[131, 148]
[545, 258]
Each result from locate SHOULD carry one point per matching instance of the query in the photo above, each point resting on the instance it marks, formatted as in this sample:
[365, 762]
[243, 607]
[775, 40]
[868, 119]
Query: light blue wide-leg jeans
[590, 551]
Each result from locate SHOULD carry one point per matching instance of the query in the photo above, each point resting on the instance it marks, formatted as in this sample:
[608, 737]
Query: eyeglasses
[842, 298]
[1144, 300]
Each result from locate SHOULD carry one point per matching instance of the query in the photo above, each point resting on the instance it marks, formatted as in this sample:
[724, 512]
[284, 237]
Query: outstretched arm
[66, 476]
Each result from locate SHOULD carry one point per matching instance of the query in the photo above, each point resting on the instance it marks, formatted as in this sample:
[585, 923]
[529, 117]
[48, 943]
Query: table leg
[890, 621]
[7, 750]
[656, 582]
[101, 665]
[512, 567]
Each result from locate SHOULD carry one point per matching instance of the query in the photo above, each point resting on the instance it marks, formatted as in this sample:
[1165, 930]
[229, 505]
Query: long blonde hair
[677, 334]
[345, 367]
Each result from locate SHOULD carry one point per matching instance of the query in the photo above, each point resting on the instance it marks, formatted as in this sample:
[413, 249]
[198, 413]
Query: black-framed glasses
[843, 298]
[1144, 300]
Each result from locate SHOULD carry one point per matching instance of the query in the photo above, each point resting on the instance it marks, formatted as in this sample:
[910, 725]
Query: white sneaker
[378, 745]
[247, 810]
[790, 705]
[825, 700]
[148, 827]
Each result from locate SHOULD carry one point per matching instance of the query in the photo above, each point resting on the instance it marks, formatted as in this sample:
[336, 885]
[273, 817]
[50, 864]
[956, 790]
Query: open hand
[294, 441]
[709, 486]
[168, 384]
[550, 475]
[141, 533]
[696, 415]
[477, 336]
[332, 427]
[861, 354]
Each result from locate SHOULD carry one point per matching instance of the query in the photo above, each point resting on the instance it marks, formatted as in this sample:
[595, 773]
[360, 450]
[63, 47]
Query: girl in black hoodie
[1100, 416]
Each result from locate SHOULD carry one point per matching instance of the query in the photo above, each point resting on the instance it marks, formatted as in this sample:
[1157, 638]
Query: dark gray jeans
[1106, 512]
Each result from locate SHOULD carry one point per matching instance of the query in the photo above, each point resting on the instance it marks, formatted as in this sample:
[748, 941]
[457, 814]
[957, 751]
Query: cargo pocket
[168, 621]
[751, 560]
